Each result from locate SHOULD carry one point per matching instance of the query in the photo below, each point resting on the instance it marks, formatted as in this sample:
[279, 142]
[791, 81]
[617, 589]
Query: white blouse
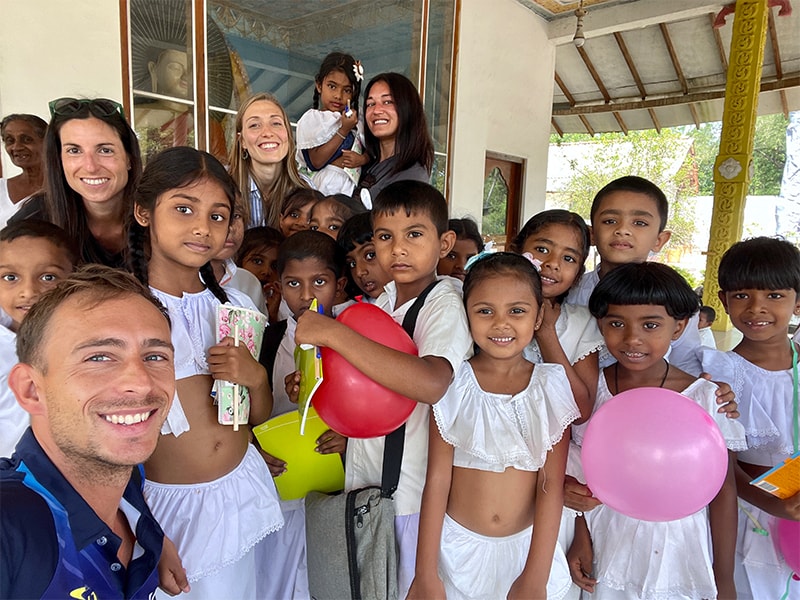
[492, 432]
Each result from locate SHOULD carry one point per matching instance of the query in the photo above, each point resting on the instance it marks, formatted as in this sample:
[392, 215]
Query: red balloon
[350, 402]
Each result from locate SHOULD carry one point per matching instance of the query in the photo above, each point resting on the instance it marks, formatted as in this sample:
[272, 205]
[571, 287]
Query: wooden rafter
[786, 83]
[695, 116]
[723, 58]
[570, 98]
[586, 124]
[654, 118]
[558, 129]
[776, 51]
[620, 122]
[629, 61]
[784, 104]
[674, 57]
[595, 75]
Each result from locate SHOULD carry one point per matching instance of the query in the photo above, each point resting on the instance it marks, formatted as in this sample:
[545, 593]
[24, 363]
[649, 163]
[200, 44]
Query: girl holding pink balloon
[492, 501]
[655, 544]
[759, 281]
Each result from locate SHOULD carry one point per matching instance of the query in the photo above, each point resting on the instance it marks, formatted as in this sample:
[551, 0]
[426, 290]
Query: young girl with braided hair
[207, 485]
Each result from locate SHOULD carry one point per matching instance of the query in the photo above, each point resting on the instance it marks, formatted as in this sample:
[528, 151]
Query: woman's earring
[245, 154]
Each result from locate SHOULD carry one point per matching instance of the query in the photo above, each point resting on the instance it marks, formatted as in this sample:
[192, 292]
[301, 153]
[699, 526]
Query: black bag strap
[269, 347]
[393, 449]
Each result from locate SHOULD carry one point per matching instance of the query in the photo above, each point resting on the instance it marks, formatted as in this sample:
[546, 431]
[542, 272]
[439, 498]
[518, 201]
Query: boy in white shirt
[410, 225]
[34, 256]
[707, 316]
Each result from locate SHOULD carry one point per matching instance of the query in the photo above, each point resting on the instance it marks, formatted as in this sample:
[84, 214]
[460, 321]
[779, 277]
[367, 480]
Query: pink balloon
[350, 402]
[788, 541]
[653, 454]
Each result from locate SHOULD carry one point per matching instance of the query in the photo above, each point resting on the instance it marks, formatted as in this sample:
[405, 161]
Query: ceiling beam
[776, 51]
[564, 89]
[558, 129]
[723, 58]
[695, 116]
[792, 81]
[595, 75]
[654, 119]
[621, 123]
[676, 63]
[784, 105]
[586, 124]
[605, 21]
[629, 61]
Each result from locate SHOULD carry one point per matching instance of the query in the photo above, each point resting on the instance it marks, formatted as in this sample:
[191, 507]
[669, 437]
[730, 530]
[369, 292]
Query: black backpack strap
[393, 449]
[269, 347]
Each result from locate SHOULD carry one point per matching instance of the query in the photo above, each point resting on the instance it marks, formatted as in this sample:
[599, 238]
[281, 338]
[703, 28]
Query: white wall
[504, 96]
[55, 48]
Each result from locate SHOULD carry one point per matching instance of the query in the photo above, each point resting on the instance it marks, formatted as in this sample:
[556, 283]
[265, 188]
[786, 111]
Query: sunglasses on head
[100, 107]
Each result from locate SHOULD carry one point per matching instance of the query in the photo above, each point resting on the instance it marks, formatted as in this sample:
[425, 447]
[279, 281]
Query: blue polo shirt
[53, 545]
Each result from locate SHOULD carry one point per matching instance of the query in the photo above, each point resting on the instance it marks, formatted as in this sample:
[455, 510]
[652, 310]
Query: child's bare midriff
[472, 492]
[204, 453]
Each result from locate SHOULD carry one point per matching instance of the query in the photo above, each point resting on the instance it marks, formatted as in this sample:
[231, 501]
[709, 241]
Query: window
[193, 61]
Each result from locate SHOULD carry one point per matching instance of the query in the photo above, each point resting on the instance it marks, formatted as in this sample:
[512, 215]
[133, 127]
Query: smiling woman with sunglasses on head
[92, 164]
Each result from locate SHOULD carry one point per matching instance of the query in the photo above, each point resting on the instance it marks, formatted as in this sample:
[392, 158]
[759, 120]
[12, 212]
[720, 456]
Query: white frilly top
[765, 405]
[194, 318]
[492, 432]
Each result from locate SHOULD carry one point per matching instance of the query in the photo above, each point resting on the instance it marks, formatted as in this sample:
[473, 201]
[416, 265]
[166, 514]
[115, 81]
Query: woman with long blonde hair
[262, 159]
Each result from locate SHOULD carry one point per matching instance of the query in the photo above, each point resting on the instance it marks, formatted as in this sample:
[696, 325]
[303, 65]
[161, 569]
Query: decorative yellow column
[732, 169]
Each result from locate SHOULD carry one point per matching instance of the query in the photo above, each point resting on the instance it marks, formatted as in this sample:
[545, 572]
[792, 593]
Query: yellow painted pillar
[734, 162]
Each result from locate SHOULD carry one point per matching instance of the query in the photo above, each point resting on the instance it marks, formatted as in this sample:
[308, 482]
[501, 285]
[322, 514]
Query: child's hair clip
[358, 71]
[488, 250]
[537, 264]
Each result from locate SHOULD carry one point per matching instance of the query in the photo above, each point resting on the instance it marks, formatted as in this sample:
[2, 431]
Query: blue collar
[86, 526]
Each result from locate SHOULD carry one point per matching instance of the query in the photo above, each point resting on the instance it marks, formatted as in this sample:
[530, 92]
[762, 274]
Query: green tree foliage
[769, 154]
[648, 154]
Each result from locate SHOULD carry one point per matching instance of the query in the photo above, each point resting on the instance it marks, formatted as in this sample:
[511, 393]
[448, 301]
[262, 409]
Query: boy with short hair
[706, 318]
[629, 217]
[310, 265]
[367, 277]
[34, 256]
[410, 234]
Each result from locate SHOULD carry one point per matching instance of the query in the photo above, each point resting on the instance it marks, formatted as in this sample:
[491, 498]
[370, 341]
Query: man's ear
[662, 240]
[447, 240]
[142, 215]
[724, 299]
[591, 236]
[24, 383]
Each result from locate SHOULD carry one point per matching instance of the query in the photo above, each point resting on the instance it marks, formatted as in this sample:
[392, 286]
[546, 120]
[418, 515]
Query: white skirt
[760, 571]
[651, 560]
[476, 566]
[216, 523]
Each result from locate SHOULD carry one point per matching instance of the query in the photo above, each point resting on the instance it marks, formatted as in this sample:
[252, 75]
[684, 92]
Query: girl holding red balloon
[759, 281]
[497, 452]
[665, 495]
